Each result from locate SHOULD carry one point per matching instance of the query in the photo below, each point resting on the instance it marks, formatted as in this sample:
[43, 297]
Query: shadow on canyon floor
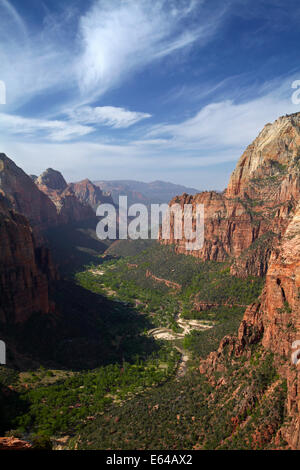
[75, 245]
[87, 331]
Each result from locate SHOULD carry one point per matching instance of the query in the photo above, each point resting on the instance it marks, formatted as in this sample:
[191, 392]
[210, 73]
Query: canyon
[253, 226]
[29, 207]
[245, 221]
[273, 322]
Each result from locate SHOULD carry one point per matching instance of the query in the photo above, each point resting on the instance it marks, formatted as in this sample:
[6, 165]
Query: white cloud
[114, 40]
[121, 37]
[81, 123]
[91, 53]
[218, 133]
[54, 130]
[107, 115]
[109, 42]
[31, 62]
[7, 8]
[228, 124]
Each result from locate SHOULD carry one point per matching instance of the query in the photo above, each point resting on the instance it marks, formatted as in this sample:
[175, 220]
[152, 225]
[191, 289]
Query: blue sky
[144, 89]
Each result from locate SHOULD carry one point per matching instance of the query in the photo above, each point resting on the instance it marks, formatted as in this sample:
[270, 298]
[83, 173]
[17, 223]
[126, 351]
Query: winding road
[187, 326]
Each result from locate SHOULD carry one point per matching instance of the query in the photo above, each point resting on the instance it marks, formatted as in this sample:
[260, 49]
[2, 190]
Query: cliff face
[25, 269]
[256, 224]
[89, 194]
[281, 301]
[25, 198]
[52, 179]
[29, 207]
[248, 219]
[68, 206]
[280, 311]
[273, 324]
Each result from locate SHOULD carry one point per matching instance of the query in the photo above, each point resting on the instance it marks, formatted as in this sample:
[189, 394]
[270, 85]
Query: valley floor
[159, 335]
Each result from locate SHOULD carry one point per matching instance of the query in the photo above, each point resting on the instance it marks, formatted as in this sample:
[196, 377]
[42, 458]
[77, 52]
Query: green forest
[138, 390]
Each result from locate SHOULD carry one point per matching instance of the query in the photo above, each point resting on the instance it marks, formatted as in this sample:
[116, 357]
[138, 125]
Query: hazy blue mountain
[156, 192]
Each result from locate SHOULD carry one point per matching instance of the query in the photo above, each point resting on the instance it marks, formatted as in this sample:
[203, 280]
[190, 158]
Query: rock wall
[25, 198]
[68, 206]
[245, 221]
[29, 206]
[26, 269]
[273, 323]
[90, 194]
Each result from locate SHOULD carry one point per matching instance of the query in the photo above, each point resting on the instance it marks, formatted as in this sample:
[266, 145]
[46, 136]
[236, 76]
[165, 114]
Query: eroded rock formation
[25, 198]
[249, 218]
[255, 224]
[52, 179]
[69, 208]
[90, 194]
[26, 269]
[273, 324]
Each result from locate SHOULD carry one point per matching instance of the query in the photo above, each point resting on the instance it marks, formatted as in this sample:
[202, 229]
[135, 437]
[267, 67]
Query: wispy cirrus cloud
[9, 12]
[228, 124]
[110, 116]
[32, 63]
[120, 37]
[215, 136]
[72, 76]
[95, 51]
[81, 56]
[54, 130]
[82, 121]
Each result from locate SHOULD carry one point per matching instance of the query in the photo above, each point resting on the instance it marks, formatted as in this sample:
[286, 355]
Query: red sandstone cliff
[68, 206]
[25, 269]
[25, 198]
[90, 194]
[280, 312]
[28, 207]
[255, 223]
[249, 218]
[274, 324]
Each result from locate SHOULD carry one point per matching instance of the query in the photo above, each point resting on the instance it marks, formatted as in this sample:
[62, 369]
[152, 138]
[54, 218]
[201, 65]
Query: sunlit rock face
[52, 179]
[68, 206]
[24, 196]
[245, 221]
[274, 323]
[90, 194]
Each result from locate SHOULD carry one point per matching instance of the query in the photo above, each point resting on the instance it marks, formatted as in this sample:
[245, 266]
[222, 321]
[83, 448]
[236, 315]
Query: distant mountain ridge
[90, 194]
[156, 192]
[39, 216]
[69, 207]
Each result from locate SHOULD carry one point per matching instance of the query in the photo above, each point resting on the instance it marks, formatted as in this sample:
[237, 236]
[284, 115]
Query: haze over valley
[115, 336]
